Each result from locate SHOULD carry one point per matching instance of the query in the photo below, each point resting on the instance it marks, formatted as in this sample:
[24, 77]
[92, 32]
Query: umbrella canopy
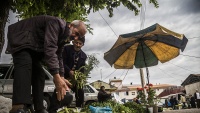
[145, 48]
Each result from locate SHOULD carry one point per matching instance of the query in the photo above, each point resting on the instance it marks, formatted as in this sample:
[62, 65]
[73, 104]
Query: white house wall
[132, 94]
[190, 89]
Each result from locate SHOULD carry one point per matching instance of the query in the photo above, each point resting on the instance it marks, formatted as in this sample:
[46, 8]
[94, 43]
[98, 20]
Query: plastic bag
[100, 109]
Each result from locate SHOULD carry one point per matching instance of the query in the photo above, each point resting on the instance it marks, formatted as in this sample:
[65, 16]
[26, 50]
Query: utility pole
[101, 76]
[142, 19]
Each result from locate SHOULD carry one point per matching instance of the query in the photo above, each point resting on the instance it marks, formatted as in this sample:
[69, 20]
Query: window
[126, 93]
[133, 93]
[117, 93]
[3, 72]
[88, 89]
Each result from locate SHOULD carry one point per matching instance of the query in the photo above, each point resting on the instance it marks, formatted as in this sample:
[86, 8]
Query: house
[116, 82]
[129, 91]
[126, 91]
[191, 83]
[172, 91]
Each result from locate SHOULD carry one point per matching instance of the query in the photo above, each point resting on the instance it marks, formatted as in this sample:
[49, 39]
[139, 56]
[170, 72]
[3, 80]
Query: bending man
[31, 41]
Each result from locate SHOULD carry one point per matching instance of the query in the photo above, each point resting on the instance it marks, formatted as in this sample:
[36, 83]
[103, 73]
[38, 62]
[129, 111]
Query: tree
[66, 9]
[80, 79]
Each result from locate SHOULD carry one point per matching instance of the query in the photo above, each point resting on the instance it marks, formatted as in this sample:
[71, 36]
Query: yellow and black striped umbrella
[145, 48]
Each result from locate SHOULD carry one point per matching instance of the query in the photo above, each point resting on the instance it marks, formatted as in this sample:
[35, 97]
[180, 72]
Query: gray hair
[79, 25]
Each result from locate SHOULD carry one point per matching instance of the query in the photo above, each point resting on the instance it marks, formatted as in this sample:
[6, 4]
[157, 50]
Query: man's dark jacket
[68, 59]
[103, 96]
[42, 34]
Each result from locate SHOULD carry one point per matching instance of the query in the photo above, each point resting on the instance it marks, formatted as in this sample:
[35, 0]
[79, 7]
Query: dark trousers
[27, 72]
[55, 104]
[79, 95]
[198, 103]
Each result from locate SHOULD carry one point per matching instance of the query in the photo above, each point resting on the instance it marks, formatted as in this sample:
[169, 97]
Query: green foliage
[69, 110]
[92, 62]
[80, 79]
[130, 107]
[135, 107]
[116, 107]
[151, 94]
[72, 9]
[141, 95]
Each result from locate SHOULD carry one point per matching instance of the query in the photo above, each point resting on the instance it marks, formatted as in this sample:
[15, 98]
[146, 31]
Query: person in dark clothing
[32, 41]
[136, 100]
[197, 98]
[166, 103]
[172, 102]
[175, 103]
[192, 101]
[73, 59]
[103, 95]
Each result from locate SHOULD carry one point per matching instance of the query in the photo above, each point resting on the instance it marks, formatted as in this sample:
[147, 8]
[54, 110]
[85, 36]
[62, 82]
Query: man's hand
[67, 82]
[71, 73]
[61, 87]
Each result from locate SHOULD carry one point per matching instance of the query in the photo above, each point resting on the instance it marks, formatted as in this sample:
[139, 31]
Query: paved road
[183, 111]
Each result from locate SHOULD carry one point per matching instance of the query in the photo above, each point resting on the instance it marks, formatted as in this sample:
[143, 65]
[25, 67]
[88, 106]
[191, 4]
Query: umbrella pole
[147, 70]
[142, 78]
[143, 81]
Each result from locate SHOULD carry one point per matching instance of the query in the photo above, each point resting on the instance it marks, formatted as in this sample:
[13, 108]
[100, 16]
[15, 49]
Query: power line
[122, 74]
[194, 37]
[190, 56]
[109, 74]
[168, 73]
[181, 67]
[125, 75]
[123, 78]
[107, 23]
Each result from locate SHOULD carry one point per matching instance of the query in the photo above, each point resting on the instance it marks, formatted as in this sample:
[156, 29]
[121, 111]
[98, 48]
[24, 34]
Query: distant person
[31, 42]
[136, 100]
[172, 102]
[166, 103]
[183, 101]
[192, 101]
[175, 103]
[197, 98]
[103, 95]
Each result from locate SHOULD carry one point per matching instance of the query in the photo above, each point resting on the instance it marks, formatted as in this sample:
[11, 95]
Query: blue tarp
[100, 109]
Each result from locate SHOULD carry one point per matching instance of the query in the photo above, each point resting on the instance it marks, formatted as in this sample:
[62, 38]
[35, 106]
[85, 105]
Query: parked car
[6, 83]
[6, 86]
[90, 95]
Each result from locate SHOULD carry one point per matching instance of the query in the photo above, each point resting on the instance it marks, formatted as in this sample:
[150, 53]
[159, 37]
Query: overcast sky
[181, 16]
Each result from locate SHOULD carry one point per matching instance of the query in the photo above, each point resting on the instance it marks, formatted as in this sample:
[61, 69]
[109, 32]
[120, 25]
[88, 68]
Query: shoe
[41, 111]
[19, 109]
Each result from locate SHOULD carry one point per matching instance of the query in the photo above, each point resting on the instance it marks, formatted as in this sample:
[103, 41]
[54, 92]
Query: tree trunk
[4, 12]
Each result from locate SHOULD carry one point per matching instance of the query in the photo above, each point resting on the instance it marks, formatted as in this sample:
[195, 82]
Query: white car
[6, 83]
[6, 86]
[90, 95]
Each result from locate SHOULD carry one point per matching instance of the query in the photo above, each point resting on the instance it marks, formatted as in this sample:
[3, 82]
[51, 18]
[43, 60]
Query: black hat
[82, 39]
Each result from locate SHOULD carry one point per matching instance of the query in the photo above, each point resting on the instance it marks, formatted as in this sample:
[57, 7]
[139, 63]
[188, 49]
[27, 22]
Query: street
[195, 110]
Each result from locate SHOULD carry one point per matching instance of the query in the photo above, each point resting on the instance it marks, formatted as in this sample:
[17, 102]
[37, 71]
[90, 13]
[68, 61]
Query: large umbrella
[145, 48]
